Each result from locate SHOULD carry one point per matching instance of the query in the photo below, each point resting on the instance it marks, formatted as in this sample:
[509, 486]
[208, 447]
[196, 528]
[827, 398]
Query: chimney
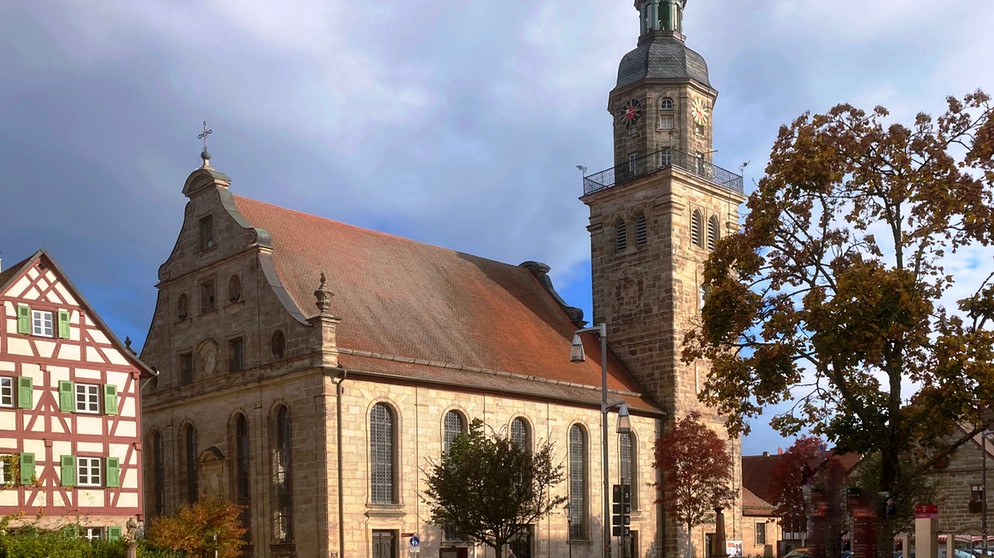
[766, 454]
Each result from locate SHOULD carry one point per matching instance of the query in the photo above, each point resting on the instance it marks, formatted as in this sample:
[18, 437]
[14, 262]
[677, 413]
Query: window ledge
[385, 511]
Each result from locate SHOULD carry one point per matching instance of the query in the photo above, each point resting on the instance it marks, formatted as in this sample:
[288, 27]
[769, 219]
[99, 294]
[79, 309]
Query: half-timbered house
[69, 412]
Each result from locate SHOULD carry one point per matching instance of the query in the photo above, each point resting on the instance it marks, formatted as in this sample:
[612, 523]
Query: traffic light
[621, 509]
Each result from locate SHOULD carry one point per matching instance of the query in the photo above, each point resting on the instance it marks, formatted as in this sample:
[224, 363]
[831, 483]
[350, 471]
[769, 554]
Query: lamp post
[624, 423]
[569, 530]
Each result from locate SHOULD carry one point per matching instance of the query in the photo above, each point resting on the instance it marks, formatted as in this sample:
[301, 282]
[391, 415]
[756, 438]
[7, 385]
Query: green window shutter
[67, 401]
[23, 318]
[110, 399]
[25, 392]
[68, 470]
[113, 533]
[27, 463]
[63, 324]
[113, 472]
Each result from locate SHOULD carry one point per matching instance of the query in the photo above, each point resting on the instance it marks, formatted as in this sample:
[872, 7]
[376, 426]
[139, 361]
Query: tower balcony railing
[659, 160]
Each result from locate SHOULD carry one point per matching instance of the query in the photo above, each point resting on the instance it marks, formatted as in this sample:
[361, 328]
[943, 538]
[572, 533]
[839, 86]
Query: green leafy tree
[834, 295]
[210, 525]
[696, 473]
[487, 488]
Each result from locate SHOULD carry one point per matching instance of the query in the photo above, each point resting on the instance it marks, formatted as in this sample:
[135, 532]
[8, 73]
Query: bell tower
[656, 215]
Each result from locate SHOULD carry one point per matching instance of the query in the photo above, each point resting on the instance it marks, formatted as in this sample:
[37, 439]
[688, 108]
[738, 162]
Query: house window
[520, 434]
[88, 471]
[381, 454]
[87, 398]
[206, 232]
[6, 470]
[282, 477]
[578, 483]
[186, 368]
[620, 236]
[629, 465]
[93, 533]
[41, 323]
[666, 104]
[641, 231]
[6, 392]
[235, 354]
[696, 224]
[207, 301]
[712, 232]
[454, 426]
[760, 532]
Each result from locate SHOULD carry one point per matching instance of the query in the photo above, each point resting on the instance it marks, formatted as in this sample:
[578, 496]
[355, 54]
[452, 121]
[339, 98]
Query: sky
[458, 124]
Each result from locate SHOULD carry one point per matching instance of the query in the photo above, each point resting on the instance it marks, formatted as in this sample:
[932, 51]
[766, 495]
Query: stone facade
[958, 481]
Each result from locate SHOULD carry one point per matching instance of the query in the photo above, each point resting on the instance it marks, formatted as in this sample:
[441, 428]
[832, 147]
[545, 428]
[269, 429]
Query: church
[309, 368]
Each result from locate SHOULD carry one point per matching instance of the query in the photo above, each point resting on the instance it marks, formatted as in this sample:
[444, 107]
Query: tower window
[641, 231]
[620, 237]
[666, 122]
[699, 129]
[633, 159]
[696, 225]
[666, 157]
[712, 232]
[666, 104]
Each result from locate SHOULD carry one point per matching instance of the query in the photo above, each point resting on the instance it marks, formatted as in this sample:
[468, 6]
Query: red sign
[926, 511]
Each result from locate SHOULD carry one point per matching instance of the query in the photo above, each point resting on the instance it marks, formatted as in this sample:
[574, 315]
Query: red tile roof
[425, 313]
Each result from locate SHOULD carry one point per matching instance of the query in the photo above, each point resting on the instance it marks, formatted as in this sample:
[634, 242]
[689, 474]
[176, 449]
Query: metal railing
[653, 162]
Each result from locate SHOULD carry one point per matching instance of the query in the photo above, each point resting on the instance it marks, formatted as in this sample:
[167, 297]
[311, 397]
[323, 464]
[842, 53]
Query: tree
[834, 296]
[792, 471]
[488, 488]
[211, 524]
[696, 472]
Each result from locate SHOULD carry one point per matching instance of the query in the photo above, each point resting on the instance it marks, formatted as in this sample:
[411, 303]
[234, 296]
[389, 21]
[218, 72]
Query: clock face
[631, 112]
[699, 112]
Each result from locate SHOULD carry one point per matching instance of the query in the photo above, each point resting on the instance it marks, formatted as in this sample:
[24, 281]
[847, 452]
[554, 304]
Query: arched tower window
[282, 479]
[641, 231]
[382, 454]
[629, 465]
[666, 104]
[696, 227]
[578, 471]
[712, 232]
[189, 440]
[454, 426]
[620, 236]
[521, 435]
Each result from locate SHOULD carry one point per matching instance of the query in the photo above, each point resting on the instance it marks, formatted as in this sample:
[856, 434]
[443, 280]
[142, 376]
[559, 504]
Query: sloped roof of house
[11, 274]
[428, 314]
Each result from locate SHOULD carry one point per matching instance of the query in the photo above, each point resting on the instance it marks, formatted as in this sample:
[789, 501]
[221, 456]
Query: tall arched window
[454, 426]
[241, 470]
[520, 434]
[629, 465]
[282, 480]
[666, 103]
[696, 227]
[157, 475]
[620, 236]
[382, 455]
[578, 471]
[189, 439]
[712, 232]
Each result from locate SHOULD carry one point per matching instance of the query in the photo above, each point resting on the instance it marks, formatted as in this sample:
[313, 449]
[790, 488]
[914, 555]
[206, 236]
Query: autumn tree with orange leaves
[839, 290]
[696, 473]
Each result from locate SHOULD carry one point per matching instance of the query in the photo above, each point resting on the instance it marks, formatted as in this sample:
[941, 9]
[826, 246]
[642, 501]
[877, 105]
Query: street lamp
[569, 530]
[624, 422]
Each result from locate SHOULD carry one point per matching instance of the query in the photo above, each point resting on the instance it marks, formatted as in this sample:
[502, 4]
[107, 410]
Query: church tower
[655, 217]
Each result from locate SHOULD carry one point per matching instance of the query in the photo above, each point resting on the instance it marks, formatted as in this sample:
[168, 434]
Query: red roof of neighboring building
[425, 313]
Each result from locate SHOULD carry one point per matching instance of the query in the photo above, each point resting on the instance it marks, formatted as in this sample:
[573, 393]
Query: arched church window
[629, 464]
[666, 104]
[158, 476]
[696, 227]
[278, 344]
[620, 236]
[454, 426]
[712, 232]
[521, 434]
[578, 471]
[282, 475]
[641, 230]
[241, 470]
[189, 436]
[702, 294]
[382, 455]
